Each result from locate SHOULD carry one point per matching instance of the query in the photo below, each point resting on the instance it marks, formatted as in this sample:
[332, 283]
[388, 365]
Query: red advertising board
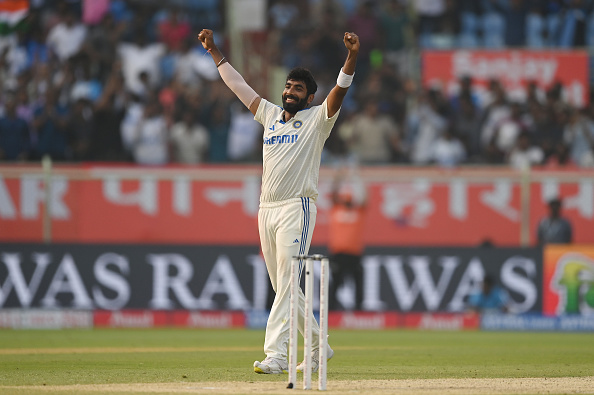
[513, 68]
[406, 208]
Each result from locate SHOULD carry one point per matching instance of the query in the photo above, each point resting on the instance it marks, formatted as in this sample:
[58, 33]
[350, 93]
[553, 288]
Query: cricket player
[294, 136]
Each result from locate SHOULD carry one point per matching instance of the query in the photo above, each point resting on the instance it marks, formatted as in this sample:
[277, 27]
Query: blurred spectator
[373, 137]
[490, 299]
[395, 26]
[426, 124]
[66, 39]
[509, 128]
[448, 150]
[560, 158]
[465, 93]
[547, 127]
[93, 11]
[147, 138]
[496, 112]
[189, 140]
[174, 30]
[50, 129]
[101, 46]
[106, 140]
[140, 63]
[525, 155]
[467, 124]
[579, 135]
[218, 126]
[14, 134]
[79, 127]
[245, 135]
[554, 228]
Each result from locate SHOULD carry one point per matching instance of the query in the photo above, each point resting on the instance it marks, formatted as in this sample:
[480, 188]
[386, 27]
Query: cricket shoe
[271, 366]
[315, 360]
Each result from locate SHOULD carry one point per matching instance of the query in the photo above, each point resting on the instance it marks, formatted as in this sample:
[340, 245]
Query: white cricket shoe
[271, 366]
[315, 360]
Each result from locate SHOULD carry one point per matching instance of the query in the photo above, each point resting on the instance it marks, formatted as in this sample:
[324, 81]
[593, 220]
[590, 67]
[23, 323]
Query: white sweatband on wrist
[237, 84]
[344, 80]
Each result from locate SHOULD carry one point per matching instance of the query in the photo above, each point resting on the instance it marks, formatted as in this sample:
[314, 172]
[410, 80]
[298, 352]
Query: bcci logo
[574, 283]
[297, 124]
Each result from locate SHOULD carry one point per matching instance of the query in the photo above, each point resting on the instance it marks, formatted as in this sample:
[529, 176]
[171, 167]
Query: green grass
[172, 355]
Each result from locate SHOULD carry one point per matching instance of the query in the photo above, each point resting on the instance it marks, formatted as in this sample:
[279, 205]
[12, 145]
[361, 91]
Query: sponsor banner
[430, 321]
[45, 319]
[209, 319]
[440, 279]
[116, 277]
[534, 322]
[362, 320]
[234, 278]
[143, 208]
[568, 280]
[178, 318]
[515, 69]
[130, 319]
[256, 319]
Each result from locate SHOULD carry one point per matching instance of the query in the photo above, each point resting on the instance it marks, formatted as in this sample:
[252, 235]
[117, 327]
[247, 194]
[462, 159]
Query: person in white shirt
[525, 154]
[448, 150]
[189, 140]
[66, 39]
[147, 136]
[294, 137]
[138, 59]
[244, 134]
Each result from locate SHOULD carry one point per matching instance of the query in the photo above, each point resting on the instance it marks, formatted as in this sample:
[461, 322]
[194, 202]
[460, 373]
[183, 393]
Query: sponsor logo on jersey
[296, 241]
[285, 139]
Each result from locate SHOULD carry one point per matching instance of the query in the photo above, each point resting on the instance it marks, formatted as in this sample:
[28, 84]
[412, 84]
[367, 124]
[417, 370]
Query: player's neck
[287, 116]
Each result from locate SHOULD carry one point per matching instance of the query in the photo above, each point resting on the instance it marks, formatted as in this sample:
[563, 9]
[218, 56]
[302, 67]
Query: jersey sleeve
[325, 113]
[263, 111]
[326, 123]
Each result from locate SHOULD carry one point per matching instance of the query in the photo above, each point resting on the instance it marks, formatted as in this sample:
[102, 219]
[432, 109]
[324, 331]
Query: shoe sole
[260, 371]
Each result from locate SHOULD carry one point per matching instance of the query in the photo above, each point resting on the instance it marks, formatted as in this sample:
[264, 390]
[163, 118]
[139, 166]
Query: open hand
[351, 41]
[206, 37]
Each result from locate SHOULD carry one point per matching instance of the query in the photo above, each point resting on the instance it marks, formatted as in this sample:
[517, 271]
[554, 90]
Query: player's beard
[292, 108]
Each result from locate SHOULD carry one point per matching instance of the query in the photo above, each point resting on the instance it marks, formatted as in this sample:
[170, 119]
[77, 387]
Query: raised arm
[337, 94]
[230, 76]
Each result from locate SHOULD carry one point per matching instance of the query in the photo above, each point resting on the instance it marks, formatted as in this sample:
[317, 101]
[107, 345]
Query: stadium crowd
[126, 80]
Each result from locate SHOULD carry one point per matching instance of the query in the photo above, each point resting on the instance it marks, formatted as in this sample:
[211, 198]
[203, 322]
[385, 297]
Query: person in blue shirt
[14, 134]
[490, 299]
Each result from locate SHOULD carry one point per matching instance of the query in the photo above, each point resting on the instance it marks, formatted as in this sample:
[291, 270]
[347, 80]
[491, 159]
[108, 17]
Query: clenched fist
[351, 41]
[206, 37]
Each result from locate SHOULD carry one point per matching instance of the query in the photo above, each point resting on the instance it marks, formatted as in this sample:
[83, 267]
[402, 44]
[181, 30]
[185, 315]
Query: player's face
[295, 96]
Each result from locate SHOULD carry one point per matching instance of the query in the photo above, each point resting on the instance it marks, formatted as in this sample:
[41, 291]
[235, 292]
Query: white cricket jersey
[292, 151]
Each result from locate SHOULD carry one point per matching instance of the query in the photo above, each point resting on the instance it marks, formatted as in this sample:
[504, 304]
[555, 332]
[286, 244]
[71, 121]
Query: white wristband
[344, 80]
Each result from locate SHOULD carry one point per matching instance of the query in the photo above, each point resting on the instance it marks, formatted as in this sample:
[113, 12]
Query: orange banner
[133, 205]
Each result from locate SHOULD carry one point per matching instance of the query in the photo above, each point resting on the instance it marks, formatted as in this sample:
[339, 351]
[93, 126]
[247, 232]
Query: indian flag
[11, 13]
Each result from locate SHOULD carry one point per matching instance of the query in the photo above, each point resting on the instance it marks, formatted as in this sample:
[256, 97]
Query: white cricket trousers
[285, 230]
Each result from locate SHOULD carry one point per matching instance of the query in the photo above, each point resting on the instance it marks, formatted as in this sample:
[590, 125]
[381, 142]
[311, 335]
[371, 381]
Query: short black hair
[304, 75]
